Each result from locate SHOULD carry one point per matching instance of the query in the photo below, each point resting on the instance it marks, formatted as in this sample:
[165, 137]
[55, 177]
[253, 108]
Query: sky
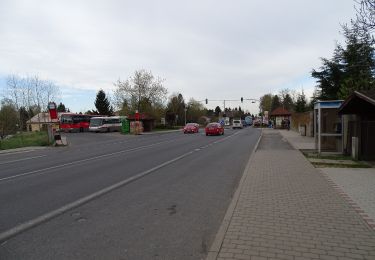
[219, 50]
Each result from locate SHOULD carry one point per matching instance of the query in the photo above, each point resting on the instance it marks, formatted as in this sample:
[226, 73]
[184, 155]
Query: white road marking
[24, 159]
[52, 214]
[43, 171]
[10, 153]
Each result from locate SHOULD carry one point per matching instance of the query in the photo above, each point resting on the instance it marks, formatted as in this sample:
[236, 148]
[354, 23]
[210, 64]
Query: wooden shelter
[147, 121]
[280, 116]
[358, 112]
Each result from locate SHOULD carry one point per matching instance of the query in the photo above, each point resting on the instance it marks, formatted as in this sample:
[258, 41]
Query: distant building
[279, 116]
[39, 122]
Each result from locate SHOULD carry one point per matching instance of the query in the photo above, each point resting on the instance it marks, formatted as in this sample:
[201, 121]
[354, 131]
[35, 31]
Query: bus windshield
[96, 121]
[67, 119]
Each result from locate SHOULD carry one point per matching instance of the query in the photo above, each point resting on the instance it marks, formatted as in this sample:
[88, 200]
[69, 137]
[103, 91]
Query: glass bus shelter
[328, 126]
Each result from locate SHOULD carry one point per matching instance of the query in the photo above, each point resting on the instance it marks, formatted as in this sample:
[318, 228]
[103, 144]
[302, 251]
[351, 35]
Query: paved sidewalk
[358, 185]
[286, 209]
[297, 141]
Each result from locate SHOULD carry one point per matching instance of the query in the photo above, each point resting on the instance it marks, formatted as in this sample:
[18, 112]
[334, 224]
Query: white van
[237, 123]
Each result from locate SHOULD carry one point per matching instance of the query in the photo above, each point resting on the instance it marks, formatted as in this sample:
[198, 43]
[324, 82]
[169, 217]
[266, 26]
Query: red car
[191, 128]
[214, 129]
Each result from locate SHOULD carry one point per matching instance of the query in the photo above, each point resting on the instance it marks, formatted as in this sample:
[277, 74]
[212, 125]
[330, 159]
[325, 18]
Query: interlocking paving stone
[288, 210]
[358, 187]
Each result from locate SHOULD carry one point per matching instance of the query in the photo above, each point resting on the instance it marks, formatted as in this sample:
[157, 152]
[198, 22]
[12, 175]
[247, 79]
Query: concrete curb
[218, 241]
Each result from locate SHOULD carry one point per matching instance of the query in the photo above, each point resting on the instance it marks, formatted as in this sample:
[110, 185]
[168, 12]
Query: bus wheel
[81, 129]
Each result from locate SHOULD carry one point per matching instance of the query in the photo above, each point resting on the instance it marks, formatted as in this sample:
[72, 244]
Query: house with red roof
[280, 117]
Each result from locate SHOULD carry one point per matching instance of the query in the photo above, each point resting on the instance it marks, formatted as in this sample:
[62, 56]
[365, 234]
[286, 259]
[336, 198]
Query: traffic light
[206, 101]
[241, 99]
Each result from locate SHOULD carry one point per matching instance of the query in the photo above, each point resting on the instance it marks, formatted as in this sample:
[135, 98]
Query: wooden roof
[360, 102]
[142, 116]
[280, 111]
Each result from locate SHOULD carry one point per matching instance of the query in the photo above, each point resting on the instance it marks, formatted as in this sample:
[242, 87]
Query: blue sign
[248, 120]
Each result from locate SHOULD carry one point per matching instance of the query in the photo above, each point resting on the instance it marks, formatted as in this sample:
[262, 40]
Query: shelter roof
[360, 102]
[280, 111]
[142, 116]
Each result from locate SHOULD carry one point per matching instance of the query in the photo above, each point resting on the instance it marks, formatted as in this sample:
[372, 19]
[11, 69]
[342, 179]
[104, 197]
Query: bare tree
[142, 89]
[31, 93]
[14, 89]
[366, 14]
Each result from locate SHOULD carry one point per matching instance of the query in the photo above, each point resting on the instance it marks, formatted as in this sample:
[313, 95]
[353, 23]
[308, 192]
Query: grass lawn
[332, 158]
[25, 139]
[336, 165]
[327, 156]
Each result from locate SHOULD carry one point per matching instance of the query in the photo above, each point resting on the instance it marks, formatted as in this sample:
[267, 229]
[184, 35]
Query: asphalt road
[109, 196]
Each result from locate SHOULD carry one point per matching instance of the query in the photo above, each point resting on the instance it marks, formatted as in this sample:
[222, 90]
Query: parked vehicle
[237, 124]
[105, 124]
[248, 120]
[214, 129]
[257, 123]
[191, 128]
[69, 122]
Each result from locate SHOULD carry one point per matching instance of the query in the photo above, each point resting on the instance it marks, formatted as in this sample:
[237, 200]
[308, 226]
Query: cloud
[213, 49]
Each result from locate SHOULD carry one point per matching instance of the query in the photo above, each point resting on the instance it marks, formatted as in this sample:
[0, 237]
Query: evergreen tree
[102, 104]
[351, 68]
[301, 103]
[288, 103]
[275, 103]
[359, 62]
[61, 107]
[329, 77]
[217, 111]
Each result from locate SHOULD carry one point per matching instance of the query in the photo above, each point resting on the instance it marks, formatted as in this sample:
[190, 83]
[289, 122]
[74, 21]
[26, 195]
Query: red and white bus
[70, 122]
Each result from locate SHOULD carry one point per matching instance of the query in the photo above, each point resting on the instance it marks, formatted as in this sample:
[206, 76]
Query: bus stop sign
[52, 110]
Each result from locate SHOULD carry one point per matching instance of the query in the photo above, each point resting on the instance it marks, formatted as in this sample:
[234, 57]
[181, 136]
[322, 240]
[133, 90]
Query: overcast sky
[203, 49]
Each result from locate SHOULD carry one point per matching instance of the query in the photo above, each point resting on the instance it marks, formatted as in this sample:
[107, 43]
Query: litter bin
[125, 126]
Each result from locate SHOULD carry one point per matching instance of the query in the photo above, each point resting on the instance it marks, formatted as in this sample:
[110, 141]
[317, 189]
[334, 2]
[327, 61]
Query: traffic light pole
[253, 100]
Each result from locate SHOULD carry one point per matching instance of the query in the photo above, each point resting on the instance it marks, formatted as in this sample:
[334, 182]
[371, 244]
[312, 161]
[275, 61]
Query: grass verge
[25, 139]
[327, 156]
[337, 165]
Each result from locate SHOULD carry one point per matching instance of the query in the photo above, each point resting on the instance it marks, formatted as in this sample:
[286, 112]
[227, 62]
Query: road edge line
[219, 238]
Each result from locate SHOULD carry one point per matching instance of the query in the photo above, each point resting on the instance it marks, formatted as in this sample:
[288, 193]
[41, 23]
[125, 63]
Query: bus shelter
[328, 126]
